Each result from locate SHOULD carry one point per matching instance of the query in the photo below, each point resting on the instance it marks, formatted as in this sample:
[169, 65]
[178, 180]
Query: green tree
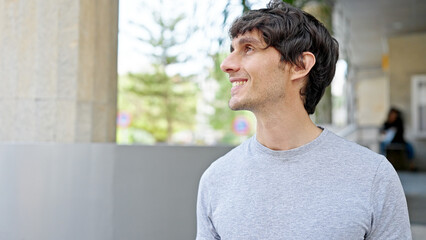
[167, 104]
[164, 104]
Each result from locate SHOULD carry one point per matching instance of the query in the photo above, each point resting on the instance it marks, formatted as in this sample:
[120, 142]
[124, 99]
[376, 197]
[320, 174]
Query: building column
[58, 70]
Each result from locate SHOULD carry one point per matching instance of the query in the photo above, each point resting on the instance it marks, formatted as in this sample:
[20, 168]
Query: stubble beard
[238, 107]
[242, 104]
[254, 105]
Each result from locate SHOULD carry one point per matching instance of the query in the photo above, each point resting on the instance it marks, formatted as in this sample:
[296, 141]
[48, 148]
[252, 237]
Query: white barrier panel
[100, 191]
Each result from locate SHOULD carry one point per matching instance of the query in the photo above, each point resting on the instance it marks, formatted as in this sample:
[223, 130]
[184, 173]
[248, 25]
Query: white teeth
[238, 83]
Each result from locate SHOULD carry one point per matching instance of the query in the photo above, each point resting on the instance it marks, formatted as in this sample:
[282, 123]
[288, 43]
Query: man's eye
[248, 48]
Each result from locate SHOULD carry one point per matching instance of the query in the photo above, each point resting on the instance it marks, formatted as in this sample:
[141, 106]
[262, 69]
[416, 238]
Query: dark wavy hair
[292, 31]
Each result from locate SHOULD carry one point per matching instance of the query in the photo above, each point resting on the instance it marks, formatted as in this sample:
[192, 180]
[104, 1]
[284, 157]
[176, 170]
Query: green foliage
[298, 3]
[160, 104]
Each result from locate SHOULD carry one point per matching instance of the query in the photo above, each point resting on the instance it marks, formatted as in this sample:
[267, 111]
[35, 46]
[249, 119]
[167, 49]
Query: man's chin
[236, 106]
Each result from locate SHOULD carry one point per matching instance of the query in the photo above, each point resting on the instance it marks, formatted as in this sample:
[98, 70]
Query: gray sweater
[329, 188]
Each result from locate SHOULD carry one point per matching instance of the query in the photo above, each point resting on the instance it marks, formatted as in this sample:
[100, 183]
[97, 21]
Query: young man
[293, 180]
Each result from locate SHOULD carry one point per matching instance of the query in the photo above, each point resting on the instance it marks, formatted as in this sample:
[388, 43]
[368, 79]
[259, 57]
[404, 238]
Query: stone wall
[58, 70]
[407, 57]
[372, 101]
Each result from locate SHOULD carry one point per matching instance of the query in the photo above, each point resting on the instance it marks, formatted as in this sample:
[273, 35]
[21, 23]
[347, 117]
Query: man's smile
[238, 83]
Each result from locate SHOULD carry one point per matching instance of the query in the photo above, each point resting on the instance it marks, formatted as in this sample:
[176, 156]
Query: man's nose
[230, 64]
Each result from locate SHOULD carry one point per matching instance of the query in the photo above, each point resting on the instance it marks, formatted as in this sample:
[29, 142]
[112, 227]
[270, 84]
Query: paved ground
[414, 184]
[418, 231]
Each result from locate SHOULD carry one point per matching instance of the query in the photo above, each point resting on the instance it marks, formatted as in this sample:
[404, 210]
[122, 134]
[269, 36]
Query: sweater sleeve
[205, 227]
[389, 218]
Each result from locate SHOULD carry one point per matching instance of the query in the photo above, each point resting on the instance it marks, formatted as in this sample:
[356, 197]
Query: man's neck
[285, 130]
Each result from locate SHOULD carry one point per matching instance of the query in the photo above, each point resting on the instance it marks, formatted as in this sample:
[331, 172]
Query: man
[293, 180]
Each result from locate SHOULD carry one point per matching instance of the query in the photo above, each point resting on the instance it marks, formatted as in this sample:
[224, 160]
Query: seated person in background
[393, 130]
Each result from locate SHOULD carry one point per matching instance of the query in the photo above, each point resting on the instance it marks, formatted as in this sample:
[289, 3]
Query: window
[418, 105]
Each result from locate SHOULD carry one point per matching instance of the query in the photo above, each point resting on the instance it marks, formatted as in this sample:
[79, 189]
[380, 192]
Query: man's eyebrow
[246, 40]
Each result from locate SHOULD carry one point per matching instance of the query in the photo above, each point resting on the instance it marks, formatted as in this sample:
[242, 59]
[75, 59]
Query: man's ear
[308, 62]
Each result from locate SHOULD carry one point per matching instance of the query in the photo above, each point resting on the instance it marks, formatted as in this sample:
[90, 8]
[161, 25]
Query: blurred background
[111, 110]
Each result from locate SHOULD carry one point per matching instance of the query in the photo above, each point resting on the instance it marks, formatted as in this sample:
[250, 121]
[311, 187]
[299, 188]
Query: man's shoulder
[351, 151]
[356, 165]
[348, 145]
[227, 162]
[232, 155]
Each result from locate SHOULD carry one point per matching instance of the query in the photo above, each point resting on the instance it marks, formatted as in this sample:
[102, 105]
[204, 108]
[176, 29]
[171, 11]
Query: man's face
[393, 115]
[258, 77]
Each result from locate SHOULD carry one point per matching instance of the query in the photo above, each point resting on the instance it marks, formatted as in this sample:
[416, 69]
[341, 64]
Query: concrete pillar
[58, 70]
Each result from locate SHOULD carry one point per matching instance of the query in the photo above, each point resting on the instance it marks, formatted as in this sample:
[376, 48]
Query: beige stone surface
[25, 117]
[84, 121]
[407, 57]
[87, 61]
[111, 122]
[7, 119]
[67, 60]
[58, 68]
[65, 122]
[100, 113]
[46, 71]
[45, 119]
[373, 102]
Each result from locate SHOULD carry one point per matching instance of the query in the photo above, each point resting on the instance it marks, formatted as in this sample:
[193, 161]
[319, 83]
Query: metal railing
[366, 135]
